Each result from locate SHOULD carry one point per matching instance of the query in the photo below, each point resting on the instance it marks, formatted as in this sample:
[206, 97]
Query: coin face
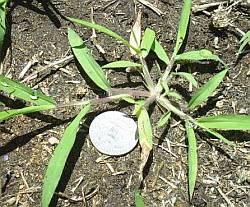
[113, 133]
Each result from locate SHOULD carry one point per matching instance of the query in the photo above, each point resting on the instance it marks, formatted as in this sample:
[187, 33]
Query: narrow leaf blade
[196, 56]
[219, 136]
[246, 36]
[121, 64]
[174, 94]
[189, 77]
[145, 129]
[4, 115]
[243, 42]
[57, 162]
[21, 91]
[164, 119]
[183, 25]
[129, 99]
[147, 42]
[160, 52]
[229, 122]
[88, 63]
[138, 106]
[145, 138]
[139, 200]
[100, 28]
[206, 90]
[192, 159]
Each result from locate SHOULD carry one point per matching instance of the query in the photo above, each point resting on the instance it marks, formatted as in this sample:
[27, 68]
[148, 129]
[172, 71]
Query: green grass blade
[243, 42]
[3, 2]
[139, 200]
[102, 29]
[138, 106]
[189, 77]
[164, 119]
[147, 42]
[2, 21]
[196, 56]
[21, 91]
[245, 36]
[183, 25]
[4, 115]
[129, 99]
[145, 138]
[192, 159]
[60, 155]
[88, 63]
[164, 84]
[206, 90]
[121, 64]
[160, 52]
[229, 122]
[145, 129]
[174, 94]
[218, 135]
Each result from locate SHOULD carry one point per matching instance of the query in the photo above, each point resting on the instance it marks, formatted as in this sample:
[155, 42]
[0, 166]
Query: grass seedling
[156, 92]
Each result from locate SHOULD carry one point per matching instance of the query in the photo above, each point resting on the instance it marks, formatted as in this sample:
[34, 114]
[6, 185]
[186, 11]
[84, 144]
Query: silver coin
[113, 133]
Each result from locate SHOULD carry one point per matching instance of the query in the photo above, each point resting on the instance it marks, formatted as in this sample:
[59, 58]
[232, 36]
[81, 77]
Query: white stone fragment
[53, 141]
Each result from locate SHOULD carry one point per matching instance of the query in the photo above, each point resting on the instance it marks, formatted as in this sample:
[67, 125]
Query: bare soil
[38, 29]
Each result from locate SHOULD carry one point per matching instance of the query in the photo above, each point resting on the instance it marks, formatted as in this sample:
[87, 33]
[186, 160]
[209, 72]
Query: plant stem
[167, 104]
[130, 91]
[168, 69]
[146, 75]
[149, 101]
[165, 76]
[96, 101]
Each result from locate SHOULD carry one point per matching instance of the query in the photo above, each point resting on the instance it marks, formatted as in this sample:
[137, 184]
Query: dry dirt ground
[37, 30]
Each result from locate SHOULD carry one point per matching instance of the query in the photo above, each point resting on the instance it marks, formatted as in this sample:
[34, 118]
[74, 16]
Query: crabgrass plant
[159, 92]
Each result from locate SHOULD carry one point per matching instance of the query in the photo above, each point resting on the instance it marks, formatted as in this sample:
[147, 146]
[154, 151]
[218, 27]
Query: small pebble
[5, 157]
[53, 141]
[219, 104]
[248, 73]
[242, 111]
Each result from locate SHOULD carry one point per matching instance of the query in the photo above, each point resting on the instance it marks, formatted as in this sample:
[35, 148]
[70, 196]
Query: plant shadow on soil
[19, 141]
[49, 10]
